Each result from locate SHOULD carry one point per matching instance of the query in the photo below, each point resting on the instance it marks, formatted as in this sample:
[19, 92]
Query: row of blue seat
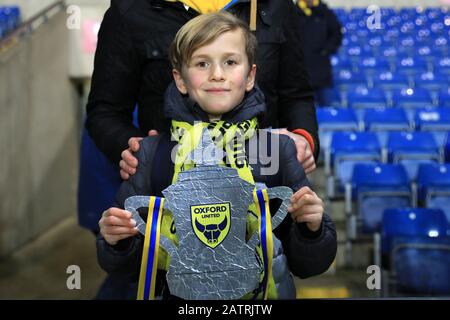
[409, 236]
[349, 149]
[404, 78]
[349, 119]
[408, 25]
[406, 13]
[386, 93]
[376, 187]
[421, 37]
[354, 52]
[391, 67]
[370, 64]
[10, 18]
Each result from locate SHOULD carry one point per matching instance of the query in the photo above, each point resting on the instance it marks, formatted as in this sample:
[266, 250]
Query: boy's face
[218, 74]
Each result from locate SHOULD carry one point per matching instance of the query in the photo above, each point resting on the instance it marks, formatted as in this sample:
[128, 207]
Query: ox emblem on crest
[211, 222]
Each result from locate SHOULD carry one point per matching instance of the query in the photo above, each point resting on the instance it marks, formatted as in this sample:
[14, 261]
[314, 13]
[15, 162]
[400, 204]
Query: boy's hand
[304, 153]
[116, 224]
[129, 163]
[307, 207]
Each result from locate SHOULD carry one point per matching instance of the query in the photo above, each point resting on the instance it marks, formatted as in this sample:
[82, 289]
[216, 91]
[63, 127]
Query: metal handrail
[26, 27]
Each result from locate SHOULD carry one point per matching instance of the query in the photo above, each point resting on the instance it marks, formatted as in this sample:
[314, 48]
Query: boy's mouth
[217, 90]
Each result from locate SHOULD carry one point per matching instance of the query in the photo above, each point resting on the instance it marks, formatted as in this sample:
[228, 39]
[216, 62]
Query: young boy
[213, 58]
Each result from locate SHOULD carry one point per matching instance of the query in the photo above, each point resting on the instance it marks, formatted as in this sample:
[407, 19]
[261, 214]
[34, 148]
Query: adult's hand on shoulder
[305, 155]
[129, 163]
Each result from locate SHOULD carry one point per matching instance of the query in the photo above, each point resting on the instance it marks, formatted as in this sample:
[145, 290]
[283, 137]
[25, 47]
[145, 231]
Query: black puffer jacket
[299, 250]
[321, 37]
[132, 67]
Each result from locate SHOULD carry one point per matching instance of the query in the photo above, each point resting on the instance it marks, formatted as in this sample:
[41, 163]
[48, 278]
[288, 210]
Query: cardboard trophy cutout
[209, 205]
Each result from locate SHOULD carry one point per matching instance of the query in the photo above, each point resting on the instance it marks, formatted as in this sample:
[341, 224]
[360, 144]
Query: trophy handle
[135, 202]
[284, 194]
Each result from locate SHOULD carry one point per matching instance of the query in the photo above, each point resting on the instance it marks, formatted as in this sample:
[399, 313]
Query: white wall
[81, 62]
[39, 132]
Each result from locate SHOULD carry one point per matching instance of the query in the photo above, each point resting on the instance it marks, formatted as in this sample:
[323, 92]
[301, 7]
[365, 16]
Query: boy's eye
[230, 62]
[202, 64]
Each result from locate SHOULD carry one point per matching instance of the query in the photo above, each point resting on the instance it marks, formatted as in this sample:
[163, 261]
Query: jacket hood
[181, 108]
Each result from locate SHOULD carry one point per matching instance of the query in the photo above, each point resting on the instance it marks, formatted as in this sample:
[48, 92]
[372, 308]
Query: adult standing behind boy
[213, 58]
[322, 37]
[132, 68]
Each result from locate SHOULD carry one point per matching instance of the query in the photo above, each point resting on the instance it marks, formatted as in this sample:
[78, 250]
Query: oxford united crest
[211, 222]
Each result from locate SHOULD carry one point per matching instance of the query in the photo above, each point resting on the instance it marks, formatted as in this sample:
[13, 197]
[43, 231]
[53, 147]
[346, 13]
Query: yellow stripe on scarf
[304, 6]
[204, 6]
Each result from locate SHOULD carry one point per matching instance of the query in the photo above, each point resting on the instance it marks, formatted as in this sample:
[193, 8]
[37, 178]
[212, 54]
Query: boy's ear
[179, 81]
[251, 78]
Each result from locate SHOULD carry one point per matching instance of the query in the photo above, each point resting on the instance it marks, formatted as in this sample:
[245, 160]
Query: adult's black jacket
[132, 67]
[321, 37]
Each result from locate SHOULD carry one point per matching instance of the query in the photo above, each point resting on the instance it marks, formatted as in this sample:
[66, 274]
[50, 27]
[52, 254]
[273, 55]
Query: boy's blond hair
[203, 30]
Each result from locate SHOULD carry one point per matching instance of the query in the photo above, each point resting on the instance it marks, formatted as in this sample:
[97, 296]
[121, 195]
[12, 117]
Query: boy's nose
[217, 73]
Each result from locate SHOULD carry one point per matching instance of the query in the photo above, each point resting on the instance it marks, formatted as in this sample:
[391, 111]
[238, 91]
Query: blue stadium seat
[407, 28]
[436, 121]
[421, 266]
[390, 81]
[384, 120]
[332, 97]
[412, 149]
[351, 40]
[334, 119]
[426, 53]
[424, 33]
[390, 39]
[407, 41]
[375, 187]
[338, 63]
[411, 222]
[343, 78]
[370, 65]
[415, 241]
[444, 97]
[348, 149]
[433, 82]
[389, 52]
[433, 186]
[442, 66]
[441, 43]
[412, 98]
[363, 97]
[394, 22]
[10, 18]
[411, 66]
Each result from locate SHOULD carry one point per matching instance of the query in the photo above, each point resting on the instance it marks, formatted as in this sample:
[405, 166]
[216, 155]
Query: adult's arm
[334, 33]
[115, 83]
[296, 108]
